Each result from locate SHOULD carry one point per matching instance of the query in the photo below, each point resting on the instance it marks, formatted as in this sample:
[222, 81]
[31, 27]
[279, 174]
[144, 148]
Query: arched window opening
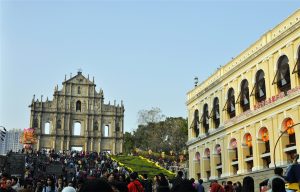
[205, 118]
[289, 140]
[106, 131]
[233, 146]
[248, 151]
[95, 125]
[47, 128]
[78, 106]
[283, 74]
[231, 103]
[290, 131]
[196, 122]
[216, 113]
[77, 129]
[244, 99]
[78, 90]
[58, 124]
[260, 88]
[248, 143]
[264, 147]
[197, 163]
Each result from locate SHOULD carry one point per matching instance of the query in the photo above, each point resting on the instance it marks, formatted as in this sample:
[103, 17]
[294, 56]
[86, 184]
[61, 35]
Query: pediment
[79, 79]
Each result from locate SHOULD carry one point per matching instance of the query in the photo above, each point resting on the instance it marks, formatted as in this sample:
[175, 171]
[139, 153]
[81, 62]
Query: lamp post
[280, 137]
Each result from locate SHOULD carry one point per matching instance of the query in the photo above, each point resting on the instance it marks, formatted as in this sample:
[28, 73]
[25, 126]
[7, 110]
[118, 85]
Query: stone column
[242, 152]
[68, 143]
[213, 163]
[38, 143]
[62, 143]
[99, 145]
[92, 143]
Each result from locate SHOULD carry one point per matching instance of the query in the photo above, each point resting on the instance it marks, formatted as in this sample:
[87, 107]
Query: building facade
[78, 119]
[11, 142]
[237, 114]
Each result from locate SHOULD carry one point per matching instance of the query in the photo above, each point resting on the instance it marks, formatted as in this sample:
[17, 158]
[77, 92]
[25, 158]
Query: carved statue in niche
[58, 124]
[95, 125]
[35, 122]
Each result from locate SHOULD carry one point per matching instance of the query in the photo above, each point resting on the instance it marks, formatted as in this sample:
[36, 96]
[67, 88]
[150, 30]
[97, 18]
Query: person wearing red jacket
[135, 185]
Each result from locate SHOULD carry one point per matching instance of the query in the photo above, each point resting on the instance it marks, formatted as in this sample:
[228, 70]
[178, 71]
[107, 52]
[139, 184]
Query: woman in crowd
[50, 186]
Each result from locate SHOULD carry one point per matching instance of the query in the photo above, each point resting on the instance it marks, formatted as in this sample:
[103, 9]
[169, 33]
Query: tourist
[229, 187]
[278, 171]
[248, 184]
[216, 187]
[178, 179]
[69, 189]
[96, 185]
[292, 175]
[155, 183]
[238, 187]
[50, 186]
[147, 184]
[200, 187]
[135, 185]
[163, 184]
[278, 185]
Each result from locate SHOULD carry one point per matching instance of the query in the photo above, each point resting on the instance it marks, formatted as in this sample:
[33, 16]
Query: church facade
[78, 119]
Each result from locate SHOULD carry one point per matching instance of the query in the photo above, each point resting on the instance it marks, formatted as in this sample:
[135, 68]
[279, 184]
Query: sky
[145, 53]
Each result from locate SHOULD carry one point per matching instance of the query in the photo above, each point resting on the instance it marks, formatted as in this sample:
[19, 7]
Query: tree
[158, 133]
[153, 115]
[128, 142]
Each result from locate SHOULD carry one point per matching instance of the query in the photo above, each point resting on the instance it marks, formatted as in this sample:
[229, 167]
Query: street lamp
[2, 133]
[291, 126]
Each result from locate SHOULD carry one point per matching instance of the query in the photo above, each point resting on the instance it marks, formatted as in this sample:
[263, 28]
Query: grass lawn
[142, 166]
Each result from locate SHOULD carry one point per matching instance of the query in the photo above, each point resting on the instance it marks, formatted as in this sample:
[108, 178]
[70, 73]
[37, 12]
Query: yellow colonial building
[237, 114]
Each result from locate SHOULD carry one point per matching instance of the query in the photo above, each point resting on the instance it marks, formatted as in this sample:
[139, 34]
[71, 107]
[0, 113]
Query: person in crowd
[238, 187]
[59, 184]
[69, 189]
[178, 179]
[163, 184]
[248, 184]
[155, 183]
[96, 185]
[15, 183]
[39, 186]
[135, 185]
[229, 187]
[50, 186]
[185, 186]
[216, 187]
[111, 177]
[147, 184]
[9, 186]
[193, 183]
[278, 185]
[278, 171]
[4, 177]
[118, 186]
[292, 175]
[200, 187]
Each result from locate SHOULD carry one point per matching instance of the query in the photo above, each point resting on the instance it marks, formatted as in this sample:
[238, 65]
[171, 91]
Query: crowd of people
[96, 172]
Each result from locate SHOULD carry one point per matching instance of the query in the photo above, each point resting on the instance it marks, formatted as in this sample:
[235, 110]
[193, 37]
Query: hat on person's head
[69, 189]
